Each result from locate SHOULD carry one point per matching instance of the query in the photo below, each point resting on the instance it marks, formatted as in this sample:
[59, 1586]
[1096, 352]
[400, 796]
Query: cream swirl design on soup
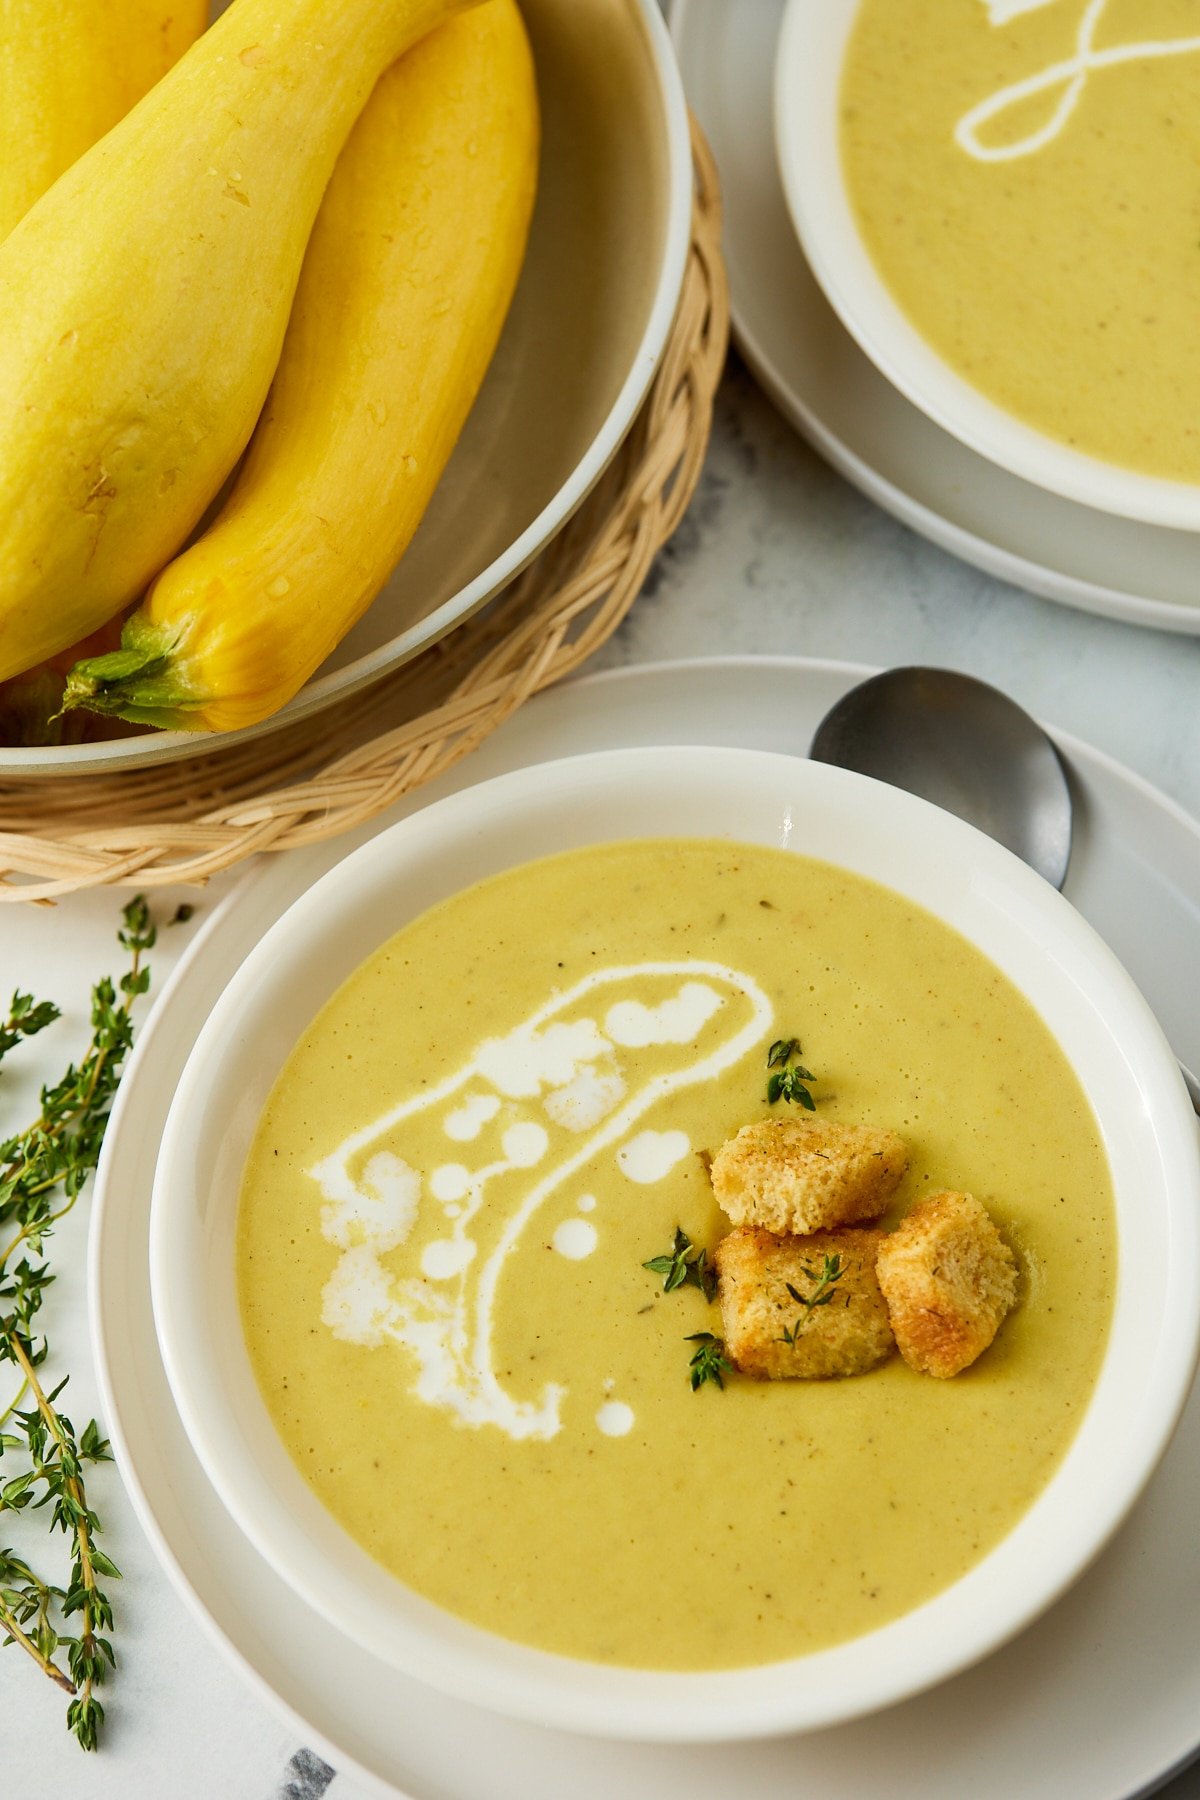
[541, 1103]
[1067, 78]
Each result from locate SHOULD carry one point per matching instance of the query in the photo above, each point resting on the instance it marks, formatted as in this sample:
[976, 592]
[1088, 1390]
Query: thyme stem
[74, 1487]
[44, 1663]
[13, 1404]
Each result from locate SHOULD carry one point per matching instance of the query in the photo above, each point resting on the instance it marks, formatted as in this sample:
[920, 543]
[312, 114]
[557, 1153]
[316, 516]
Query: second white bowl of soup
[998, 198]
[405, 1205]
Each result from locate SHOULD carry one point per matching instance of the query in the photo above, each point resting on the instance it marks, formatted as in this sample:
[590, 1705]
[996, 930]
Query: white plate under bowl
[808, 80]
[1100, 1698]
[833, 393]
[597, 295]
[1017, 920]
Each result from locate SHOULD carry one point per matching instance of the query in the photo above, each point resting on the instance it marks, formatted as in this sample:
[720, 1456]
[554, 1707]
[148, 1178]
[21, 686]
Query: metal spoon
[970, 750]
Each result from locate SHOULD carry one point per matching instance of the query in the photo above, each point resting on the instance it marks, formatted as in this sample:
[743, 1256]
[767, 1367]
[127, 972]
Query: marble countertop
[777, 555]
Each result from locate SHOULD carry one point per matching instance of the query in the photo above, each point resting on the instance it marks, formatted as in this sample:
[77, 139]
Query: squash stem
[140, 682]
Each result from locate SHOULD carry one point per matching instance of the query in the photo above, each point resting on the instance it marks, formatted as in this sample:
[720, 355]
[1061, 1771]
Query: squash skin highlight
[144, 298]
[69, 71]
[408, 278]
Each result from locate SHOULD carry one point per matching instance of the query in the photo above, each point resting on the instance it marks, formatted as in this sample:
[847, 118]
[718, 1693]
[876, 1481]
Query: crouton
[949, 1279]
[842, 1335]
[794, 1176]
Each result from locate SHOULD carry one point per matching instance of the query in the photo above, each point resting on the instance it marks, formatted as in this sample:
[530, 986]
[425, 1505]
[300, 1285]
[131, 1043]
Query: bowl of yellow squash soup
[425, 1181]
[998, 197]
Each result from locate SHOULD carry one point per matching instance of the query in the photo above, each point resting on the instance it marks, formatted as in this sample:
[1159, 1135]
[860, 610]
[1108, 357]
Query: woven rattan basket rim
[188, 820]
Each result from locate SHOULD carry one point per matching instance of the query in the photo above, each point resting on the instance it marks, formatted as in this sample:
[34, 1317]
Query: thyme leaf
[26, 1017]
[709, 1362]
[788, 1078]
[684, 1266]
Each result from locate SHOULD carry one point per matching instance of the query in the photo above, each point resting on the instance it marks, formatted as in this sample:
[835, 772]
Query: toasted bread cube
[793, 1176]
[949, 1279]
[846, 1335]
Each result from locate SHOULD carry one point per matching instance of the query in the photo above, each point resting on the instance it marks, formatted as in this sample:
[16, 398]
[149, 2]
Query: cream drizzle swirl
[446, 1319]
[1071, 75]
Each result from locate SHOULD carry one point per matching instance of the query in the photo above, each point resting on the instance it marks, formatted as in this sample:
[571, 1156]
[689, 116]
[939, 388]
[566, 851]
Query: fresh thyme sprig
[788, 1078]
[42, 1171]
[826, 1280]
[684, 1266]
[709, 1362]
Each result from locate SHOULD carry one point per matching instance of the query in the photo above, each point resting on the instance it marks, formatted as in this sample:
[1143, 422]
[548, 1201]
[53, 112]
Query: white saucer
[835, 395]
[1101, 1697]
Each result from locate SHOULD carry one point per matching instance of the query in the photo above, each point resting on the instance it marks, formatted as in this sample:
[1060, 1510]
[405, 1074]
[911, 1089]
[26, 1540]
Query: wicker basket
[185, 821]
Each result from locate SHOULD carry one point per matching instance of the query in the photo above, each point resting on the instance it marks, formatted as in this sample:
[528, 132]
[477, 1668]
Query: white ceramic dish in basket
[808, 72]
[584, 337]
[1029, 931]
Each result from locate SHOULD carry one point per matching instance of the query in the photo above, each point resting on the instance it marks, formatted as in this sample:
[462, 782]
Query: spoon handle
[1193, 1087]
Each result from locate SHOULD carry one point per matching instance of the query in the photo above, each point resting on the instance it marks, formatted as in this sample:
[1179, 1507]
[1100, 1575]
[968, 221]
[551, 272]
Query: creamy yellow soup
[504, 1114]
[1026, 177]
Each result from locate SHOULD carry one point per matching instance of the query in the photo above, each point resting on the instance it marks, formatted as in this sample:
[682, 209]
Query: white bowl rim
[324, 690]
[1070, 1520]
[808, 69]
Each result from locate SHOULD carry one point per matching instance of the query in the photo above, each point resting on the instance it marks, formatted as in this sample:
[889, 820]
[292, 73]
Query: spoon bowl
[966, 747]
